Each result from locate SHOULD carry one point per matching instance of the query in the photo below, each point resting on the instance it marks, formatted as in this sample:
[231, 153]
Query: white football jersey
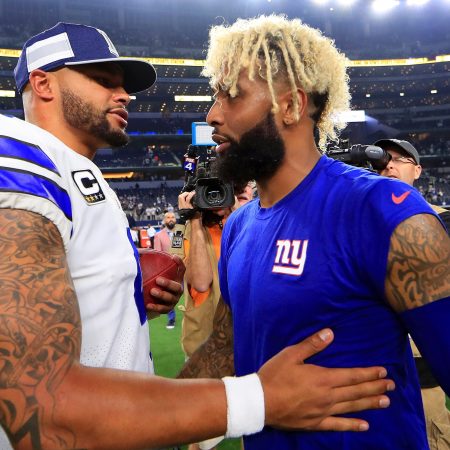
[41, 174]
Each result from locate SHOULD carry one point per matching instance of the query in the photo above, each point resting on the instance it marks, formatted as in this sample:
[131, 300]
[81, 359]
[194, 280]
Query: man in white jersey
[71, 307]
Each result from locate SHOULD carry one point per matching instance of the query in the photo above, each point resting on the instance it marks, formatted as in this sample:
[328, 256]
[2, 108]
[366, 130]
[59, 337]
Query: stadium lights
[381, 6]
[7, 93]
[433, 91]
[402, 94]
[352, 116]
[346, 3]
[416, 2]
[193, 98]
[368, 95]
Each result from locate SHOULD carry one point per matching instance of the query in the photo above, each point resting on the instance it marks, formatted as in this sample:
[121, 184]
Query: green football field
[169, 358]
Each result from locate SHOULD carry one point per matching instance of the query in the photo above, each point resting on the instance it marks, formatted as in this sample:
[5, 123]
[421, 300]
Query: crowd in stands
[146, 204]
[174, 39]
[433, 146]
[164, 125]
[137, 155]
[435, 190]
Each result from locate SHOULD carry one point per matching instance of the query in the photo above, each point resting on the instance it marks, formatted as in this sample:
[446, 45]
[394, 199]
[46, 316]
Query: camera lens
[215, 195]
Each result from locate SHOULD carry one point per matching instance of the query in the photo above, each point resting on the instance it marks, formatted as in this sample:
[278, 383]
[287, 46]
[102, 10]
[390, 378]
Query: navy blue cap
[69, 44]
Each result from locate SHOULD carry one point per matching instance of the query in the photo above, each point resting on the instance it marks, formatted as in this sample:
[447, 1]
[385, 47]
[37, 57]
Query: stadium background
[399, 76]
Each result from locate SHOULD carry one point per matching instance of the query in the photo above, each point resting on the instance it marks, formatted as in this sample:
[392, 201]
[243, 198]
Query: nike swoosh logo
[400, 198]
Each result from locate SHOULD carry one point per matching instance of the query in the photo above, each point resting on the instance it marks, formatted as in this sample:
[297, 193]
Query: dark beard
[170, 225]
[82, 115]
[257, 156]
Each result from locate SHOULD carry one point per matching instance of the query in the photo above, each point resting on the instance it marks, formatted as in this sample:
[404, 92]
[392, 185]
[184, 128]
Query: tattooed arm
[418, 263]
[418, 288]
[48, 400]
[214, 359]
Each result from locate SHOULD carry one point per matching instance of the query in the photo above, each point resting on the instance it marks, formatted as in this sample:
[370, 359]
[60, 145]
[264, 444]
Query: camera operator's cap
[70, 44]
[403, 145]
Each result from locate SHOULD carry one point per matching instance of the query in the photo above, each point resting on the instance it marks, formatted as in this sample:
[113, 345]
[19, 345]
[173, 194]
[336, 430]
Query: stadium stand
[405, 97]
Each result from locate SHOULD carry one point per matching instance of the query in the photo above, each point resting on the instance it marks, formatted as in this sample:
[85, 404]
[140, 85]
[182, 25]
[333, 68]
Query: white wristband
[245, 405]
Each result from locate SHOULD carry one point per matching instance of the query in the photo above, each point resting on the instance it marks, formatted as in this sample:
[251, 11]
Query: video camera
[210, 192]
[369, 157]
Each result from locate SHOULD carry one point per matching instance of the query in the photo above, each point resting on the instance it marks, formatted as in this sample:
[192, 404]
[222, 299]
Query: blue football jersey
[317, 259]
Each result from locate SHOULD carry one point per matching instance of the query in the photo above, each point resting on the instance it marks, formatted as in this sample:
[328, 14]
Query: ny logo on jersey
[88, 186]
[291, 257]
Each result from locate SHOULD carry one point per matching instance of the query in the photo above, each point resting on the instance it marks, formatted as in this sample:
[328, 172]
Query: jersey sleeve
[383, 207]
[30, 180]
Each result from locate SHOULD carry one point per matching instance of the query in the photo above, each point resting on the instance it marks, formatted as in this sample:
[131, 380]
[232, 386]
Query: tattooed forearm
[214, 359]
[39, 328]
[418, 263]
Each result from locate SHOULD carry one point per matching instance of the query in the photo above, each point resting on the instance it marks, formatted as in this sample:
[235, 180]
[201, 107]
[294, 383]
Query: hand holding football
[156, 264]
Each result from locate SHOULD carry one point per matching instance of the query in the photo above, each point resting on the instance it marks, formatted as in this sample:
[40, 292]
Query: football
[156, 264]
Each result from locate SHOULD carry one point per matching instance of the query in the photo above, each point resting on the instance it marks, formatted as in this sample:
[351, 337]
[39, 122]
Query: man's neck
[74, 139]
[76, 142]
[290, 174]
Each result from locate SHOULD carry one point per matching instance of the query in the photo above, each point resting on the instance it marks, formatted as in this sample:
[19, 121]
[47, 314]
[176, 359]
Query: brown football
[156, 264]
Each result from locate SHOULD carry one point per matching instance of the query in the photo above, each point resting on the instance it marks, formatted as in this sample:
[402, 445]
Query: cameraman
[202, 250]
[405, 166]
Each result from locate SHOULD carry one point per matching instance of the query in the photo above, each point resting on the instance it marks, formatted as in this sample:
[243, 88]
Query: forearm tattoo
[418, 263]
[214, 359]
[40, 333]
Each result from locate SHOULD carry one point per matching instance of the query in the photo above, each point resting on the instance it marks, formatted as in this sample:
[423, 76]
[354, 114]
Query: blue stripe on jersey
[138, 295]
[12, 148]
[32, 184]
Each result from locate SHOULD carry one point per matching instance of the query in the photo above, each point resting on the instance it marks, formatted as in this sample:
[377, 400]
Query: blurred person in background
[76, 366]
[325, 242]
[162, 242]
[163, 238]
[202, 292]
[202, 251]
[405, 166]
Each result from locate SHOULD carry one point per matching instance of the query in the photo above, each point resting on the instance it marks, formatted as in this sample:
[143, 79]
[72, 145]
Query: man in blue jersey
[326, 243]
[75, 365]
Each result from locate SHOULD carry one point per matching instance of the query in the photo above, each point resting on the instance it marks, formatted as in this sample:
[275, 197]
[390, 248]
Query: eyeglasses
[403, 160]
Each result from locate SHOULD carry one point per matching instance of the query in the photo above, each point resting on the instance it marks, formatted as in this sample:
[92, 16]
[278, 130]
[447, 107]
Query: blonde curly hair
[275, 47]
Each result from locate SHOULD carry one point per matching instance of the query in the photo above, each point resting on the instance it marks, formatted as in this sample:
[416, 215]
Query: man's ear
[43, 84]
[287, 106]
[417, 171]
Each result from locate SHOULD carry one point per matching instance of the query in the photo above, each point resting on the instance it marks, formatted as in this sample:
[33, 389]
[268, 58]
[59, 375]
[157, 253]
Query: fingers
[166, 298]
[185, 200]
[362, 390]
[375, 402]
[355, 376]
[170, 286]
[341, 424]
[312, 345]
